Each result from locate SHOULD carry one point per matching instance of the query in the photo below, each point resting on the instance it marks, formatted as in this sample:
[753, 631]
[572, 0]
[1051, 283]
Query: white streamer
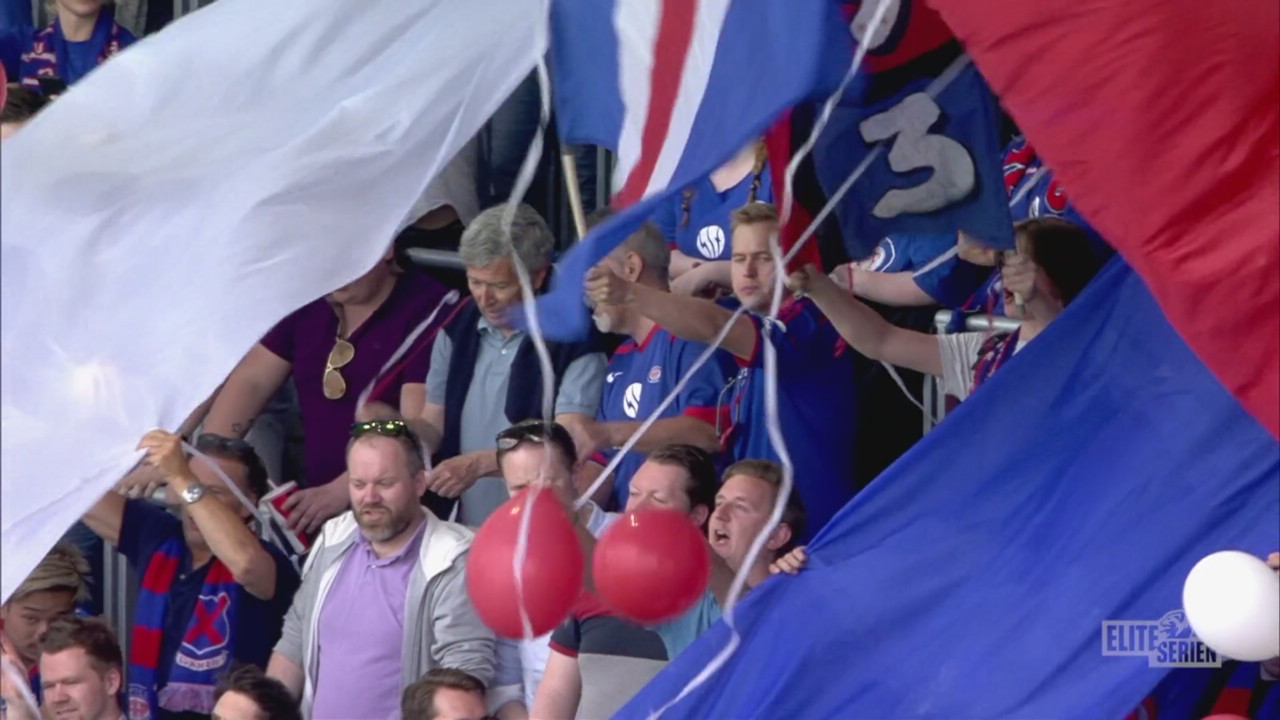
[773, 424]
[231, 485]
[450, 298]
[827, 109]
[528, 299]
[662, 406]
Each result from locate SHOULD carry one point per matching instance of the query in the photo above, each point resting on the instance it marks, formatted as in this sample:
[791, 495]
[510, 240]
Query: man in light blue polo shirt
[485, 375]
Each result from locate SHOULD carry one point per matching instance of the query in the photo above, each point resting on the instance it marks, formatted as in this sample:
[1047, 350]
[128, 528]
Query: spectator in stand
[20, 105]
[598, 660]
[1034, 192]
[444, 694]
[643, 371]
[248, 694]
[697, 222]
[1052, 265]
[384, 599]
[50, 592]
[84, 34]
[334, 348]
[212, 593]
[485, 373]
[537, 453]
[81, 671]
[816, 395]
[743, 508]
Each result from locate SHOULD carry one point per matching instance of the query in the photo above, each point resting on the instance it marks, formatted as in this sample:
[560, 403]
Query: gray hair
[484, 241]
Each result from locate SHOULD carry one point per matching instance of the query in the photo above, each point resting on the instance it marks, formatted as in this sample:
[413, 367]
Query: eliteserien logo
[1167, 642]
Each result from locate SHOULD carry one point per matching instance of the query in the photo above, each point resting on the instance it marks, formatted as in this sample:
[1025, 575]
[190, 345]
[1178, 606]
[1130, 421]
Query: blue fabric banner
[974, 577]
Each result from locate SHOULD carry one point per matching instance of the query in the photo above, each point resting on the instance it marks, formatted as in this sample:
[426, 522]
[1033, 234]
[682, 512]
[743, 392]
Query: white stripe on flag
[635, 22]
[693, 87]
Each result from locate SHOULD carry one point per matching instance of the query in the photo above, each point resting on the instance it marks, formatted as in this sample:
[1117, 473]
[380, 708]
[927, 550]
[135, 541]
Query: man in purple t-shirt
[336, 347]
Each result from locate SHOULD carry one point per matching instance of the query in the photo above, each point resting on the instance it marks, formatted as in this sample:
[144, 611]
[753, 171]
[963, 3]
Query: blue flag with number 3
[928, 129]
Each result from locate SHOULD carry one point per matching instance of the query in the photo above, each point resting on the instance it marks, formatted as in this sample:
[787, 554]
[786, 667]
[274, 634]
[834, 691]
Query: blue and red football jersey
[706, 235]
[816, 406]
[641, 375]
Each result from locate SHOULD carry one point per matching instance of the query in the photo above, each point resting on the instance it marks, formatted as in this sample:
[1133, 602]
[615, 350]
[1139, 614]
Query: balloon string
[528, 302]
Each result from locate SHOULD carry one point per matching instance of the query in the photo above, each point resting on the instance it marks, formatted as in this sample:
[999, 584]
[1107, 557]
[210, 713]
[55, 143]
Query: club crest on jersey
[211, 629]
[711, 241]
[631, 400]
[655, 374]
[882, 258]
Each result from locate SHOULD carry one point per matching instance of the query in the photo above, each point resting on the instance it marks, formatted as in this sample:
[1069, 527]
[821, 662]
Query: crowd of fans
[379, 512]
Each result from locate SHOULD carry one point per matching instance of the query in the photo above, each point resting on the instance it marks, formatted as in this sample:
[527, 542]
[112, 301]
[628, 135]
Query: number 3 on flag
[908, 123]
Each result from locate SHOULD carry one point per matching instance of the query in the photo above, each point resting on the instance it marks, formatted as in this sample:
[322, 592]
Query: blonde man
[815, 390]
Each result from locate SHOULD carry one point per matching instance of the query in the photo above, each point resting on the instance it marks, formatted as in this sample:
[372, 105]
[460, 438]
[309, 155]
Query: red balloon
[552, 572]
[1225, 716]
[651, 565]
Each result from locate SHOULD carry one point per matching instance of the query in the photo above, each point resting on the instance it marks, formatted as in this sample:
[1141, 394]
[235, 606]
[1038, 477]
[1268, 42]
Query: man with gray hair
[485, 375]
[643, 371]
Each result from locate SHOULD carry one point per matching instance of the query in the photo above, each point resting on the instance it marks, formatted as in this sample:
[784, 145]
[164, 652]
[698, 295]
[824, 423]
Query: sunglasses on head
[538, 432]
[385, 428]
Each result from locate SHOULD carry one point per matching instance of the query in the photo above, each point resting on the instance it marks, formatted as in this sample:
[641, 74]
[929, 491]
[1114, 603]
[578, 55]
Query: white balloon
[1232, 600]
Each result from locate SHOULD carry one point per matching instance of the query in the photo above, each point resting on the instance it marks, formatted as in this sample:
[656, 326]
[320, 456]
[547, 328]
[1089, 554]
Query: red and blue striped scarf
[994, 353]
[207, 645]
[1246, 694]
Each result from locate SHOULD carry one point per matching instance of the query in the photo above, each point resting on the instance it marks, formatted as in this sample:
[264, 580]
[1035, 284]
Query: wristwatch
[192, 493]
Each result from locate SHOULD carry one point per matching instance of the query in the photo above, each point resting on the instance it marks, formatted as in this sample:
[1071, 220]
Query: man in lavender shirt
[335, 347]
[383, 597]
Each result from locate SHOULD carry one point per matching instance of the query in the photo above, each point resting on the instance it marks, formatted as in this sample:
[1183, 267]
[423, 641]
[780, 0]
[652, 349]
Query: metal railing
[935, 403]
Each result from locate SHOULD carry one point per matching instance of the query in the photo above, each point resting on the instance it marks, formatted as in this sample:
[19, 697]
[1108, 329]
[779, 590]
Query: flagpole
[569, 164]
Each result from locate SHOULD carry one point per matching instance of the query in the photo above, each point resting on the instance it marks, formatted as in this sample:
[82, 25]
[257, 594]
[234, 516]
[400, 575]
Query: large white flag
[160, 217]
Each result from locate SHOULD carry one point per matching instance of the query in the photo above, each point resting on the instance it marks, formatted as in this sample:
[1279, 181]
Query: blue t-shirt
[679, 633]
[143, 530]
[950, 282]
[816, 407]
[640, 377]
[706, 235]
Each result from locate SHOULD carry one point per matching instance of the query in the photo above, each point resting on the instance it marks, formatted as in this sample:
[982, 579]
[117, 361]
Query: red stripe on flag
[144, 650]
[675, 35]
[160, 574]
[778, 143]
